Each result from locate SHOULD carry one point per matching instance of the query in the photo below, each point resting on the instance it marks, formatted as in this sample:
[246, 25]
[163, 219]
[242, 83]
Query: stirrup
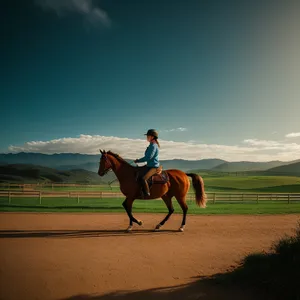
[144, 194]
[145, 187]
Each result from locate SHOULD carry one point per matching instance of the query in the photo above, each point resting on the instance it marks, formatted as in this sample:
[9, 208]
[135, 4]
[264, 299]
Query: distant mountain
[48, 160]
[185, 165]
[293, 168]
[34, 173]
[69, 161]
[244, 166]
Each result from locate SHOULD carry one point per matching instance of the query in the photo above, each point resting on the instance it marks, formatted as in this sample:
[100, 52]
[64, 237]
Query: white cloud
[263, 143]
[192, 142]
[179, 129]
[273, 145]
[293, 135]
[255, 150]
[274, 150]
[92, 13]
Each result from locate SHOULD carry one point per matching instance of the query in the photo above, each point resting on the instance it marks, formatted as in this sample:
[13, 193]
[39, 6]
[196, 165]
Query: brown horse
[177, 186]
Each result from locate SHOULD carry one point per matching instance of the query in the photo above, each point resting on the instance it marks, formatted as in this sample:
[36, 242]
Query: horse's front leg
[127, 204]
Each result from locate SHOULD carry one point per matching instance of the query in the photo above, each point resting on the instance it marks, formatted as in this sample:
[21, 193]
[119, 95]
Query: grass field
[276, 184]
[153, 206]
[214, 182]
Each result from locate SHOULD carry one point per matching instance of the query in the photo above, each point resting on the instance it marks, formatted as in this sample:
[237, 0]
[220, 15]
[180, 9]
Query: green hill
[35, 173]
[92, 167]
[244, 166]
[287, 169]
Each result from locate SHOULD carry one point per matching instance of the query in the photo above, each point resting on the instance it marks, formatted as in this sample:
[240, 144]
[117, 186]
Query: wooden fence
[212, 197]
[41, 186]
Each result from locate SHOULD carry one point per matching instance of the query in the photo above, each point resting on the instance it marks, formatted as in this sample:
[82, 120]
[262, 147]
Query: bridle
[108, 163]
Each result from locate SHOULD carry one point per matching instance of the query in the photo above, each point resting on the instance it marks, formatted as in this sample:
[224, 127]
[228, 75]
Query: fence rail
[211, 197]
[50, 185]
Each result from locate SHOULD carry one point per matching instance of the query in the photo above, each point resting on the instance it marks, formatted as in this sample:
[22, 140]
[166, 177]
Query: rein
[109, 168]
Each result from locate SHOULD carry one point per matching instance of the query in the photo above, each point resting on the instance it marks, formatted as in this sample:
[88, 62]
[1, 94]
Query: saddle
[161, 177]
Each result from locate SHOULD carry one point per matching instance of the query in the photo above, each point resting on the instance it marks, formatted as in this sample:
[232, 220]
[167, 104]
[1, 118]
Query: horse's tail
[198, 185]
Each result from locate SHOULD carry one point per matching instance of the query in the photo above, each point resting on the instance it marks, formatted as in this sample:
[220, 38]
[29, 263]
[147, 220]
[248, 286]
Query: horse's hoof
[181, 229]
[157, 228]
[140, 222]
[129, 229]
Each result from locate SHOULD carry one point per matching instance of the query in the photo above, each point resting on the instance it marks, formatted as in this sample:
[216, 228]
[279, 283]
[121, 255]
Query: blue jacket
[151, 156]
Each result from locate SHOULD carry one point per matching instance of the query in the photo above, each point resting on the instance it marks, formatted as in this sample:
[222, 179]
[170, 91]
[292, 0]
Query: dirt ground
[88, 256]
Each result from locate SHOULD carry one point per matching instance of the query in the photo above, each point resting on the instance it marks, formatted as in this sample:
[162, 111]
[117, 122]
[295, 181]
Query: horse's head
[105, 164]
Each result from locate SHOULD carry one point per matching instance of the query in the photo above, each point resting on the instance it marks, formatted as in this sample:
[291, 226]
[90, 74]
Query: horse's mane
[118, 157]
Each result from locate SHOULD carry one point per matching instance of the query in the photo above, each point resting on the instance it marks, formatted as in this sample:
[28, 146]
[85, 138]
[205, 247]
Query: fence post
[242, 197]
[9, 197]
[77, 198]
[40, 195]
[288, 198]
[69, 194]
[101, 195]
[257, 198]
[214, 198]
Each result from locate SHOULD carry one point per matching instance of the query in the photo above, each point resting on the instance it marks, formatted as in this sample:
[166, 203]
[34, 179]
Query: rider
[151, 157]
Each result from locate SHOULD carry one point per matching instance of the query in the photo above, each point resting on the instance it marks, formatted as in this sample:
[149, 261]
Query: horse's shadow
[79, 233]
[203, 289]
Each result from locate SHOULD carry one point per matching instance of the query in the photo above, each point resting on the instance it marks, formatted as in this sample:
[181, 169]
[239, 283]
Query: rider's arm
[149, 153]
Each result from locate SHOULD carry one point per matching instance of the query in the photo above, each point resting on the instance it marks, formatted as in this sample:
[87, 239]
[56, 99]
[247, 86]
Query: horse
[176, 185]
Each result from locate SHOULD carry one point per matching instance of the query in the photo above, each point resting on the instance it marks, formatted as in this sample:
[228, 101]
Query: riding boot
[145, 186]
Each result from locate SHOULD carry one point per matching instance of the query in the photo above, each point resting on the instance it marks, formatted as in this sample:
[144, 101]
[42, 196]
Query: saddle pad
[161, 178]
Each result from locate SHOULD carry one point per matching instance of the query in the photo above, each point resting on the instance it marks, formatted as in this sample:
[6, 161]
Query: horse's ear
[101, 151]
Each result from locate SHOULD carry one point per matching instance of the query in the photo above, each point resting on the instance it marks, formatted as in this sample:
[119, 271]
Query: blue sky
[217, 78]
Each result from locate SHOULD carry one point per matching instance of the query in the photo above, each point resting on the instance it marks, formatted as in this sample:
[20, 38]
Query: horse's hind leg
[168, 202]
[127, 204]
[184, 207]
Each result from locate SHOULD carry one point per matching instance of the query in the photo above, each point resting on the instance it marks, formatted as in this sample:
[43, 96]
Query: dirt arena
[76, 256]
